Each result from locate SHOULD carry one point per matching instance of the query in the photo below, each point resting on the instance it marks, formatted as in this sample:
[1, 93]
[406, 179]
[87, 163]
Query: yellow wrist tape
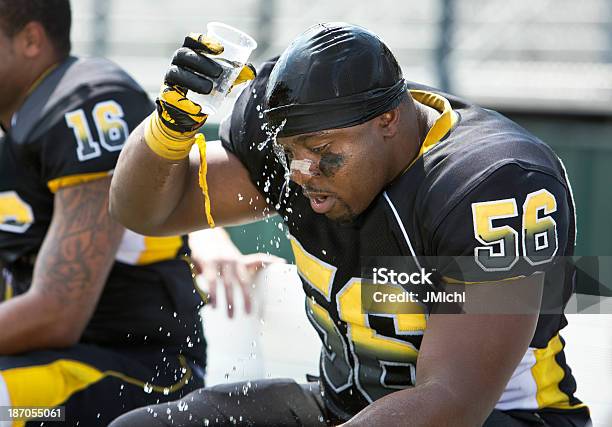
[201, 141]
[169, 145]
[165, 142]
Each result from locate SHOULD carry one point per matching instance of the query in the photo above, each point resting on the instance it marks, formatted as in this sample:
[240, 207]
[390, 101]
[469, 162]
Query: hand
[231, 271]
[192, 70]
[218, 260]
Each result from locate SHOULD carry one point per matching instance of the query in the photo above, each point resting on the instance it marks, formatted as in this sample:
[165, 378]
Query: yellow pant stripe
[49, 385]
[52, 384]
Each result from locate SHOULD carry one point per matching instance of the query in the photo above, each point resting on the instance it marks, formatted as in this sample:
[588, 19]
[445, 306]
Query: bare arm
[70, 272]
[155, 196]
[464, 364]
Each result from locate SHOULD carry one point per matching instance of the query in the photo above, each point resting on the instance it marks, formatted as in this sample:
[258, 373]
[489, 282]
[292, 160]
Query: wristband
[169, 145]
[165, 142]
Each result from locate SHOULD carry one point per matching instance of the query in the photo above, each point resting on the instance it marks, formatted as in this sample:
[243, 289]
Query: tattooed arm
[70, 272]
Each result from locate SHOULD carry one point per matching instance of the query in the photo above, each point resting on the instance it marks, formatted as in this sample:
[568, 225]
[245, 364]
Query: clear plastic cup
[237, 49]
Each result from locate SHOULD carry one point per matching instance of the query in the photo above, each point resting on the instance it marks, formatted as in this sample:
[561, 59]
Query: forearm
[427, 405]
[146, 188]
[71, 269]
[29, 323]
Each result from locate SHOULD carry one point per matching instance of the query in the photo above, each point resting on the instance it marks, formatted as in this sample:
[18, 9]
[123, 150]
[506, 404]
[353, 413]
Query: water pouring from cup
[237, 48]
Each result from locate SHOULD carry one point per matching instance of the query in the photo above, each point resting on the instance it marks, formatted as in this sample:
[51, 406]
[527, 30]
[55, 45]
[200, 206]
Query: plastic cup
[237, 49]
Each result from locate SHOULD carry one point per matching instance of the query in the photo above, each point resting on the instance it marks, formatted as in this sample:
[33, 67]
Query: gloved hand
[171, 130]
[177, 119]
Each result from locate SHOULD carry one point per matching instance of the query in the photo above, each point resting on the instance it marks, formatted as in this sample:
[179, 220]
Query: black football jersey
[482, 189]
[70, 130]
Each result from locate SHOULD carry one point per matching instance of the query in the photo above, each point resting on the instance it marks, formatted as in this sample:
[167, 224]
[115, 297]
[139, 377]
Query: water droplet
[182, 406]
[148, 388]
[166, 391]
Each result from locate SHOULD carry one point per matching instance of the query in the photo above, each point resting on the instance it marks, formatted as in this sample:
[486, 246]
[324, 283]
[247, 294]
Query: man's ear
[389, 122]
[32, 40]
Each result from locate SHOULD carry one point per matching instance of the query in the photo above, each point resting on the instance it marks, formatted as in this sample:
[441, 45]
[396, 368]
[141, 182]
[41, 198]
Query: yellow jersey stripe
[316, 272]
[8, 291]
[547, 374]
[159, 249]
[68, 181]
[448, 118]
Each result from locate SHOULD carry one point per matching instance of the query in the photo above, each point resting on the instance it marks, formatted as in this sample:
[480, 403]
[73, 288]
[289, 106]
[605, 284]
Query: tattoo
[330, 163]
[81, 243]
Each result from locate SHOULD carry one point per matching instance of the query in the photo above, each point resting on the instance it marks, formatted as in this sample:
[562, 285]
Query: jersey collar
[442, 126]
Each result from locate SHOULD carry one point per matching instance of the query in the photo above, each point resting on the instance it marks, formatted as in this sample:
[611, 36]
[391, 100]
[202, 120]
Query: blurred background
[546, 64]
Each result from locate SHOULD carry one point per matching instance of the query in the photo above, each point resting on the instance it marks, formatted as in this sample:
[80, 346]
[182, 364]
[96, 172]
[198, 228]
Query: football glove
[192, 70]
[171, 130]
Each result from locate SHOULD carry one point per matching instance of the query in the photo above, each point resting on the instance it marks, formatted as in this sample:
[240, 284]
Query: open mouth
[321, 203]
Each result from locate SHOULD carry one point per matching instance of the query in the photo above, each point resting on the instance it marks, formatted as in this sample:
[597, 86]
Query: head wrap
[334, 75]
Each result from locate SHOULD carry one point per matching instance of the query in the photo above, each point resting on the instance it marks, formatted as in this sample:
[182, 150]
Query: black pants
[281, 402]
[96, 384]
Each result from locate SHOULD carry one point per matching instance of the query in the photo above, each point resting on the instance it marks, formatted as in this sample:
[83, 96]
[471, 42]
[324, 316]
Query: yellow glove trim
[173, 97]
[246, 74]
[209, 44]
[201, 141]
[166, 143]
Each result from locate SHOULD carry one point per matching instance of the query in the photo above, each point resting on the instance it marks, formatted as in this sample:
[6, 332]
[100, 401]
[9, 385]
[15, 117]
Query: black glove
[192, 70]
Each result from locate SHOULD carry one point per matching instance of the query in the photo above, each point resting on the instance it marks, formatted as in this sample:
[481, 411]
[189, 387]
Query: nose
[303, 170]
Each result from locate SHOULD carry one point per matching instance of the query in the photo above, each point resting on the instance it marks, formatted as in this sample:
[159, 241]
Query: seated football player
[379, 167]
[94, 318]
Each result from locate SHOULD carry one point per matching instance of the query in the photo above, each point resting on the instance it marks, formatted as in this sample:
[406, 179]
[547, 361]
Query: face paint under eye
[330, 163]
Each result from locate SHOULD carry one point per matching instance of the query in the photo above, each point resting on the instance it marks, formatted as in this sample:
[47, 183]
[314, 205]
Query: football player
[93, 318]
[379, 167]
